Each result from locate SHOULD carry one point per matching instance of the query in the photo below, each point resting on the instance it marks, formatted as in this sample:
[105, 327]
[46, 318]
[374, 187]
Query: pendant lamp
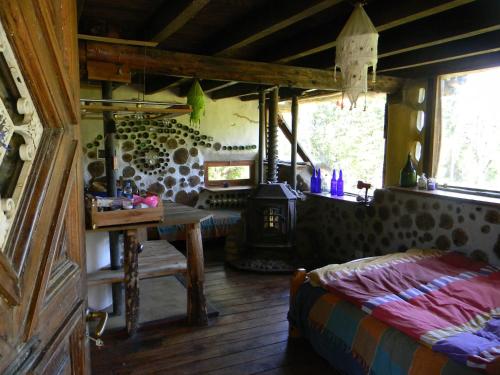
[356, 51]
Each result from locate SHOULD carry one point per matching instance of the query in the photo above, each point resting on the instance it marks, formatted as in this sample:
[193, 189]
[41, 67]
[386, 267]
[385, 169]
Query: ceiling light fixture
[356, 51]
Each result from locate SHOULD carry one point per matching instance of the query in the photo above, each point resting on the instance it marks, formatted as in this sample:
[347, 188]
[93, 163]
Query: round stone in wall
[492, 217]
[128, 172]
[181, 156]
[425, 221]
[156, 188]
[459, 237]
[127, 158]
[172, 143]
[201, 173]
[496, 248]
[411, 205]
[195, 166]
[193, 181]
[96, 168]
[170, 181]
[479, 255]
[184, 170]
[169, 193]
[137, 178]
[193, 151]
[405, 221]
[485, 229]
[127, 146]
[384, 213]
[443, 242]
[217, 146]
[171, 170]
[92, 154]
[446, 221]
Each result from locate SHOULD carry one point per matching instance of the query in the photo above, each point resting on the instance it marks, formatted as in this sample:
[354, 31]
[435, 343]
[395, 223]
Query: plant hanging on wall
[196, 99]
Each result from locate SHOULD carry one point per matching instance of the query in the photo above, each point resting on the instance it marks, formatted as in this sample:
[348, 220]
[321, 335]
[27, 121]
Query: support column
[272, 140]
[295, 123]
[109, 151]
[262, 134]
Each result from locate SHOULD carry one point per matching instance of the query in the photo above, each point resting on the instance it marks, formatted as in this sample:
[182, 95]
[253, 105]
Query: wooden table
[175, 214]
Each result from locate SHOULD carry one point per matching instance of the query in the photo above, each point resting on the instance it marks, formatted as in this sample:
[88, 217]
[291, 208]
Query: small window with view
[229, 173]
[469, 150]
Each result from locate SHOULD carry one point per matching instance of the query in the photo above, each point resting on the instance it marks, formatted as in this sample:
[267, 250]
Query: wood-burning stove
[270, 222]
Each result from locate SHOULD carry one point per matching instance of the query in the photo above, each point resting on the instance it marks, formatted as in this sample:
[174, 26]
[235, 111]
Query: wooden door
[42, 264]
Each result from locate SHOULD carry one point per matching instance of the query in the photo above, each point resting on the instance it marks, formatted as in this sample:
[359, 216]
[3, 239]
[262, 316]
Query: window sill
[347, 197]
[470, 198]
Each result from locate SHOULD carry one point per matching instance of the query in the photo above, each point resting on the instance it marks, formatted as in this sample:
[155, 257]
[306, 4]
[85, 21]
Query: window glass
[420, 120]
[470, 135]
[341, 138]
[229, 172]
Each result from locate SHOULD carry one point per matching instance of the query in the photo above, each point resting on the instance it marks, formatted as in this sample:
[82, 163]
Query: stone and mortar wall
[166, 157]
[336, 231]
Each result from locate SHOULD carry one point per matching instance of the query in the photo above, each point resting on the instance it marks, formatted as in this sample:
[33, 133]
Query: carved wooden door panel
[42, 264]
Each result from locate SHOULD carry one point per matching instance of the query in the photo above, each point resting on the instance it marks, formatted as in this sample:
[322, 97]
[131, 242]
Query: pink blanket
[442, 299]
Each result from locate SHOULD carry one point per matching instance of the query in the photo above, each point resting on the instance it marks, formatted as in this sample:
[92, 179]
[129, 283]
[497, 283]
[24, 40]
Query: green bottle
[408, 176]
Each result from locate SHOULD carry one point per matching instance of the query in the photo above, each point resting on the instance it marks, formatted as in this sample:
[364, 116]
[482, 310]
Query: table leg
[131, 280]
[197, 306]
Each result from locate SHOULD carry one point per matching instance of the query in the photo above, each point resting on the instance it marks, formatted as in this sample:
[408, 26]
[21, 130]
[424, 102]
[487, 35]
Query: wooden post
[197, 306]
[295, 123]
[298, 278]
[131, 263]
[262, 133]
[109, 130]
[272, 138]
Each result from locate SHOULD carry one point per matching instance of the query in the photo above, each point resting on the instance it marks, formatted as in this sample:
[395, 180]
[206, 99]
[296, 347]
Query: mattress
[363, 321]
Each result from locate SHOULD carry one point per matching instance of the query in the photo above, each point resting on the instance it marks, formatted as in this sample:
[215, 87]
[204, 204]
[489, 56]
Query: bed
[422, 312]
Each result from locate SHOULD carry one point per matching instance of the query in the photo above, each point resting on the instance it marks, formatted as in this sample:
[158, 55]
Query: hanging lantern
[356, 51]
[196, 99]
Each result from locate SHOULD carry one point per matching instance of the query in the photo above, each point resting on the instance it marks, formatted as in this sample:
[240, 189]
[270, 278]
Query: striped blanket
[444, 300]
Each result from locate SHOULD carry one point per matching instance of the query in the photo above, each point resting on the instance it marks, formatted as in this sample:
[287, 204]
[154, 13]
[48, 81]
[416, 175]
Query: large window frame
[432, 144]
[234, 182]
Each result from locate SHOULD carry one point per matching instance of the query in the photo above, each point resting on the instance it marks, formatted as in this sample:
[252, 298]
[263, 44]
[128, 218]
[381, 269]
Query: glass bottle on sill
[313, 181]
[318, 181]
[333, 183]
[340, 185]
[408, 177]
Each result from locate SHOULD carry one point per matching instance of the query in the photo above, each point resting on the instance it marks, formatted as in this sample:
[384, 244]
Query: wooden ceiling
[417, 38]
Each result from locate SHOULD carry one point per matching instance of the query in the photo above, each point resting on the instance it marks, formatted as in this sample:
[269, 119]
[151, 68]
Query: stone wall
[166, 156]
[336, 231]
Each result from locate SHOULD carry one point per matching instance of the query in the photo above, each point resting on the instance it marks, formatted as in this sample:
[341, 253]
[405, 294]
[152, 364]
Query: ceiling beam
[309, 45]
[263, 23]
[172, 18]
[464, 63]
[223, 69]
[269, 21]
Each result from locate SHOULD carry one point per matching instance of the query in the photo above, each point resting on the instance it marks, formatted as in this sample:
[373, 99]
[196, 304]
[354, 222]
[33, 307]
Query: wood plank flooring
[250, 336]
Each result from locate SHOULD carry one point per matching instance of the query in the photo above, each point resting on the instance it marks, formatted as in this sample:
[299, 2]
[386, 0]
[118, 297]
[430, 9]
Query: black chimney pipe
[272, 138]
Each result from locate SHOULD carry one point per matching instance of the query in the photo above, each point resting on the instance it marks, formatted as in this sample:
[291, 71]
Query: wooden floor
[250, 336]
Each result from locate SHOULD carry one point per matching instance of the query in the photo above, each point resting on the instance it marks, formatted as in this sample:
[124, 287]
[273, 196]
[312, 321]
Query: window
[341, 138]
[229, 173]
[469, 154]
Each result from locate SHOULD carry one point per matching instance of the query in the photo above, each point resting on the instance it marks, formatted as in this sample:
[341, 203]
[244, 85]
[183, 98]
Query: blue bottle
[318, 181]
[340, 185]
[313, 181]
[333, 183]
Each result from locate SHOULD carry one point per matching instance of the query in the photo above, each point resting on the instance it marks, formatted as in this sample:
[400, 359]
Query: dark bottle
[333, 183]
[340, 184]
[408, 177]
